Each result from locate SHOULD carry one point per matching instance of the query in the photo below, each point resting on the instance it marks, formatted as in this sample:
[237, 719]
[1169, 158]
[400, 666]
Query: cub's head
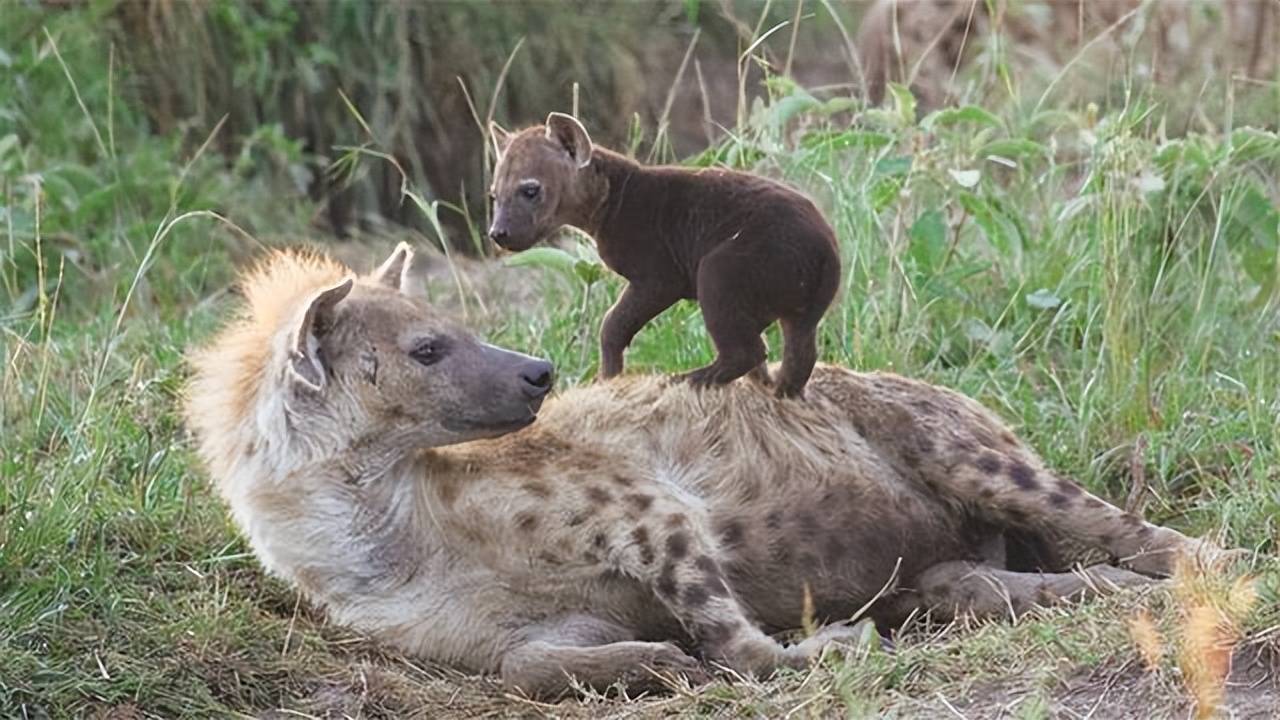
[538, 181]
[323, 362]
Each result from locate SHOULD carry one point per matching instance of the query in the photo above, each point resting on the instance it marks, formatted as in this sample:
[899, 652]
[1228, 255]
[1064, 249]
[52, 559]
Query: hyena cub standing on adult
[749, 250]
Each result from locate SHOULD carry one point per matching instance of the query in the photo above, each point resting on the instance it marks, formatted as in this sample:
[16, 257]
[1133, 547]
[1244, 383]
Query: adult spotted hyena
[390, 466]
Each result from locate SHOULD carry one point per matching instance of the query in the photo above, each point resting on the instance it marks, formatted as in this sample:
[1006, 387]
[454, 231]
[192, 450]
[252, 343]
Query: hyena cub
[749, 250]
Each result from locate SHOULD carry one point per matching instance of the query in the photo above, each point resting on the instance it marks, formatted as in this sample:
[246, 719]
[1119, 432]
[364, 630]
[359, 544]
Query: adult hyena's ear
[500, 139]
[306, 362]
[394, 271]
[566, 130]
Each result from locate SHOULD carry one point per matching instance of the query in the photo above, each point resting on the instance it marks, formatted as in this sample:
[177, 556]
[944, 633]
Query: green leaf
[928, 236]
[893, 166]
[953, 116]
[1043, 299]
[544, 257]
[965, 178]
[904, 103]
[846, 139]
[1253, 228]
[1014, 148]
[691, 11]
[790, 106]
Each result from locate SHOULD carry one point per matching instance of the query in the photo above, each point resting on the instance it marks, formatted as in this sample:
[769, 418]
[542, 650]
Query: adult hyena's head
[326, 364]
[539, 182]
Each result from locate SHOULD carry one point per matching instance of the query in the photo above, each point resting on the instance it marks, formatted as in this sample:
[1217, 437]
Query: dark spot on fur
[1105, 540]
[965, 446]
[678, 544]
[548, 557]
[1094, 502]
[718, 633]
[600, 541]
[640, 536]
[1008, 438]
[715, 585]
[731, 533]
[1131, 520]
[988, 463]
[575, 520]
[987, 492]
[925, 445]
[1022, 475]
[448, 492]
[675, 520]
[695, 596]
[526, 522]
[773, 520]
[1058, 500]
[1144, 531]
[705, 564]
[250, 449]
[1066, 487]
[598, 495]
[537, 489]
[623, 481]
[806, 521]
[639, 501]
[590, 557]
[833, 550]
[666, 585]
[911, 456]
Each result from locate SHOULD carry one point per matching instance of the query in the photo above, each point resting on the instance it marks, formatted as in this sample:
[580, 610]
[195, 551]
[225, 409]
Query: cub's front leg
[638, 304]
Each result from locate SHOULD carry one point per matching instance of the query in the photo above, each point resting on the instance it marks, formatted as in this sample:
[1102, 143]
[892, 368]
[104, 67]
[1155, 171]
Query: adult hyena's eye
[531, 190]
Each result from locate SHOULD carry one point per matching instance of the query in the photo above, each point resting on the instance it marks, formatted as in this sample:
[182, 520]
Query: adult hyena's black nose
[498, 235]
[536, 378]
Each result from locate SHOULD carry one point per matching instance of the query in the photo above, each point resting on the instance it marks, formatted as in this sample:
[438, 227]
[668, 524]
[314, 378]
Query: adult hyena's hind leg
[1000, 477]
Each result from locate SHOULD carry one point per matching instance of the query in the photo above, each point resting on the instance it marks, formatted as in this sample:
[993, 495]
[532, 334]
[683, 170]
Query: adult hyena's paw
[844, 636]
[664, 662]
[749, 652]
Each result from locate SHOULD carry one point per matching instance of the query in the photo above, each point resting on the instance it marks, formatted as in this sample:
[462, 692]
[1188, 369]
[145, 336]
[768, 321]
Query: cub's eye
[531, 191]
[427, 352]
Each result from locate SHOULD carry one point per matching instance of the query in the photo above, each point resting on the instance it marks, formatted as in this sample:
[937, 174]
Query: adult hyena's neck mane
[235, 403]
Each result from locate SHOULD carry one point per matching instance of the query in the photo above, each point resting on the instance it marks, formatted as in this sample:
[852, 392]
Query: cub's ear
[566, 130]
[500, 139]
[394, 271]
[306, 362]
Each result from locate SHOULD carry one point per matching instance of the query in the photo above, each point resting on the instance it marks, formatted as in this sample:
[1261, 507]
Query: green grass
[1110, 292]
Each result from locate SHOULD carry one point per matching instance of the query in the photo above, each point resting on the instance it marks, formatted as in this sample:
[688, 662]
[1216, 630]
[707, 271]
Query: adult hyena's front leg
[595, 653]
[639, 529]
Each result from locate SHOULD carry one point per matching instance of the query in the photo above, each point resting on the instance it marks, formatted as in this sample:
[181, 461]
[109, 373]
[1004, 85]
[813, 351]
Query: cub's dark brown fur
[749, 250]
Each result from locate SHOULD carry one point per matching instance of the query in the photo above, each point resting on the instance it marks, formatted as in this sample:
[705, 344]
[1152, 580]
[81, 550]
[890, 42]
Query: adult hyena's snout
[536, 378]
[506, 390]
